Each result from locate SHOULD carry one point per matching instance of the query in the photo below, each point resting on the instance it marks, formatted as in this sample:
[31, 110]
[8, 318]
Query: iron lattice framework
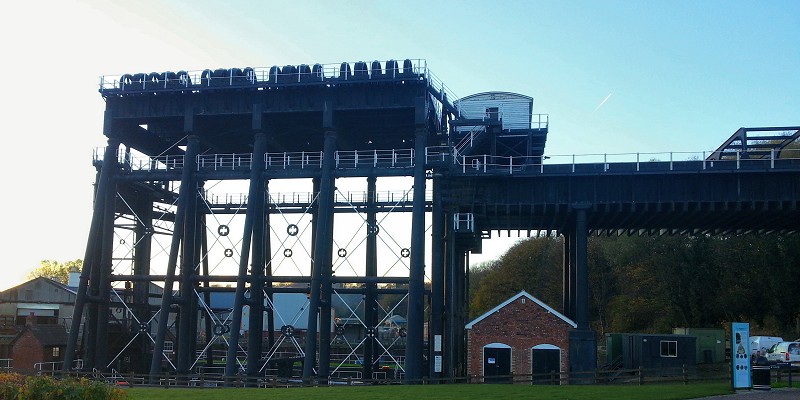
[249, 220]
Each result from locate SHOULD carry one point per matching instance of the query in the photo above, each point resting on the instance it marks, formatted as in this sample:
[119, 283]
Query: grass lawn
[444, 392]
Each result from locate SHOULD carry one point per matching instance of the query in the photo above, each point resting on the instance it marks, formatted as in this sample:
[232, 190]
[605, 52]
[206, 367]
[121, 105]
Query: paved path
[774, 394]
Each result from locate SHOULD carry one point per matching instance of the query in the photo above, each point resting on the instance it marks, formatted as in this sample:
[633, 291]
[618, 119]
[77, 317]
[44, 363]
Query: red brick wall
[521, 326]
[26, 352]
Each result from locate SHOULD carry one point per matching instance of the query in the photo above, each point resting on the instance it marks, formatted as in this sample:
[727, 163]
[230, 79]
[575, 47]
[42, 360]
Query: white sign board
[437, 363]
[740, 355]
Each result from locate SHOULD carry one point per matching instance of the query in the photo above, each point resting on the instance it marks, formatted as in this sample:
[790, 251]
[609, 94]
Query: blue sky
[675, 76]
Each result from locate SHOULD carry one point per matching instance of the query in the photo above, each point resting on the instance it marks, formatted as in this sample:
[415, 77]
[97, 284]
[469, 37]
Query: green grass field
[444, 392]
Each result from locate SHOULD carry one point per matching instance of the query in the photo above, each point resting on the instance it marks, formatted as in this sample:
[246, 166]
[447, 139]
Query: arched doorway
[497, 363]
[545, 364]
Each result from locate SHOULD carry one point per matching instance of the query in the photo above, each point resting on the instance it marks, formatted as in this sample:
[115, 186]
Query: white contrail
[602, 102]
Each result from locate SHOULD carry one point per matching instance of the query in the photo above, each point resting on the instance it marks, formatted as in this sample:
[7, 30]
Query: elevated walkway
[758, 143]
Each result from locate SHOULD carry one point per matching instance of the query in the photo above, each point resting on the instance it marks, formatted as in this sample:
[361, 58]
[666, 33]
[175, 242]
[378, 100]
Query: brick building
[521, 336]
[38, 344]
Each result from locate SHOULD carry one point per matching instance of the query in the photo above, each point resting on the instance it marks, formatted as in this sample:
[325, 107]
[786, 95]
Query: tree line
[651, 284]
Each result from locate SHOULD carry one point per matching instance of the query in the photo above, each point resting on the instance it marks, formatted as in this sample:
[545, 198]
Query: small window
[28, 294]
[669, 348]
[56, 352]
[168, 346]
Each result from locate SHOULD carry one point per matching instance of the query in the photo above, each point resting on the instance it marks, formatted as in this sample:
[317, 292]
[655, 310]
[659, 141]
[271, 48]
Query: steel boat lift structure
[157, 230]
[393, 183]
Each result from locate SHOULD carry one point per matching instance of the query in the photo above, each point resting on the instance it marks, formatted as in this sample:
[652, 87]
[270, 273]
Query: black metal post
[104, 286]
[573, 268]
[437, 282]
[319, 300]
[104, 184]
[252, 217]
[370, 298]
[567, 268]
[141, 290]
[256, 327]
[186, 193]
[209, 322]
[267, 267]
[187, 327]
[581, 271]
[582, 340]
[416, 286]
[324, 239]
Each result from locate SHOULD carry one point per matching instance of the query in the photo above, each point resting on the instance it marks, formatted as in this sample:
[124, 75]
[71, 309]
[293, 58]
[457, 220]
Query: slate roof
[46, 335]
[512, 299]
[46, 280]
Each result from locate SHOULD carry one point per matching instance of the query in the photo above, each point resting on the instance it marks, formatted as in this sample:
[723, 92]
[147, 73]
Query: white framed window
[168, 346]
[56, 352]
[669, 348]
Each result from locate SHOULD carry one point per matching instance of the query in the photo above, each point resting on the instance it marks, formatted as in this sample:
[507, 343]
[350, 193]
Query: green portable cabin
[710, 343]
[614, 350]
[657, 351]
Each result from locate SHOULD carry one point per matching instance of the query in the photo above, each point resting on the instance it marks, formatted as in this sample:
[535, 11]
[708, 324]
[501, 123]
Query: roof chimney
[74, 279]
[30, 320]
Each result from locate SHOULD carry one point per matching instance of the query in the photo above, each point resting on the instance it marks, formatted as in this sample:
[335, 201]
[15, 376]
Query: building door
[545, 359]
[497, 363]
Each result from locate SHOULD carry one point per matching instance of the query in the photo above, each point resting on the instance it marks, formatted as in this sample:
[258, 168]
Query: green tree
[602, 285]
[55, 270]
[656, 283]
[532, 265]
[476, 274]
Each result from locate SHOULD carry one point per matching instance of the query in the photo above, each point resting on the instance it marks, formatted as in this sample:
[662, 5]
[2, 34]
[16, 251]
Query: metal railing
[606, 162]
[468, 141]
[224, 161]
[304, 198]
[47, 367]
[401, 158]
[510, 117]
[54, 367]
[404, 158]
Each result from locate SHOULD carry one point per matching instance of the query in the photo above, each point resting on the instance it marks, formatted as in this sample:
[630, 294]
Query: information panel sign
[740, 354]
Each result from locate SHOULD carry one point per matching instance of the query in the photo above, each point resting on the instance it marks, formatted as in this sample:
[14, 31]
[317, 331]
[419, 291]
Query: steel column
[186, 194]
[100, 345]
[267, 269]
[319, 300]
[464, 315]
[187, 311]
[450, 326]
[582, 341]
[143, 210]
[370, 298]
[581, 270]
[256, 323]
[435, 325]
[255, 201]
[208, 326]
[567, 275]
[573, 268]
[104, 184]
[416, 279]
[324, 239]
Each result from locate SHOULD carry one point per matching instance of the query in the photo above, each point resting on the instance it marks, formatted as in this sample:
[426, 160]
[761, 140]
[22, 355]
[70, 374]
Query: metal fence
[210, 377]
